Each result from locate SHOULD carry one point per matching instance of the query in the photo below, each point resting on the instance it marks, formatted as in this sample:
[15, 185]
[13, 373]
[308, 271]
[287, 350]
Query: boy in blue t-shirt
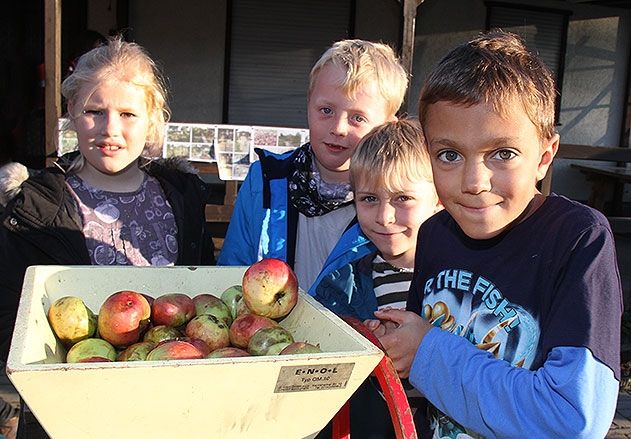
[519, 294]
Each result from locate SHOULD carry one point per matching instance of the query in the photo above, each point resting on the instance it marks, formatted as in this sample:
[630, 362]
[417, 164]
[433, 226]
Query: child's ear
[548, 150]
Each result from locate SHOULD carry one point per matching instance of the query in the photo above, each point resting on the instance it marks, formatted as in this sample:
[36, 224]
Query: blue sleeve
[334, 291]
[571, 395]
[240, 246]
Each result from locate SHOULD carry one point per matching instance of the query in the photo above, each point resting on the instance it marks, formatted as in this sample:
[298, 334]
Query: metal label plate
[313, 377]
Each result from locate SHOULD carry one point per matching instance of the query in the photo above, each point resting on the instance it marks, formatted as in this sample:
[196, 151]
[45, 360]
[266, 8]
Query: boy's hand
[401, 333]
[380, 328]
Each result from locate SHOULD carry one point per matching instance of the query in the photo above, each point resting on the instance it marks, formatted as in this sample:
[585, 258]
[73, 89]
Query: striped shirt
[391, 283]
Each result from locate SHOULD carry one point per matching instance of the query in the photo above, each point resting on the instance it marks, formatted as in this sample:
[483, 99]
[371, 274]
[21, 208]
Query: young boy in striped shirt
[391, 177]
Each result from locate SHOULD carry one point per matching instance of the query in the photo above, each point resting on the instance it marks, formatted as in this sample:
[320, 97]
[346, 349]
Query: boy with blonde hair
[513, 321]
[391, 177]
[298, 206]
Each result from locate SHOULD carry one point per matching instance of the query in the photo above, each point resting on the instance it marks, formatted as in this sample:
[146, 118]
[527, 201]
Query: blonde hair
[365, 61]
[495, 68]
[118, 59]
[391, 153]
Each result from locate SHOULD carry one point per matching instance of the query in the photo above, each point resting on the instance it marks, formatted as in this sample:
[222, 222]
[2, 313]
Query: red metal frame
[392, 389]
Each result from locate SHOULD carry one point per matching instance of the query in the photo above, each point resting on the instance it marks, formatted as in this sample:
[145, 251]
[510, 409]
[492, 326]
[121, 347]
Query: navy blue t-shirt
[551, 280]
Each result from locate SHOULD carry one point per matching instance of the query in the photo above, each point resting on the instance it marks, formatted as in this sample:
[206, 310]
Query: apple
[242, 308]
[266, 337]
[123, 317]
[137, 351]
[245, 326]
[91, 350]
[149, 298]
[228, 351]
[209, 304]
[71, 320]
[208, 328]
[199, 344]
[174, 350]
[276, 348]
[230, 297]
[301, 347]
[270, 288]
[172, 309]
[157, 334]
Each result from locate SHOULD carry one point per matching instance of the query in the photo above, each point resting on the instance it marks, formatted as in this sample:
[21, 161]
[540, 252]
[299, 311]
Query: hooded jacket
[264, 223]
[40, 224]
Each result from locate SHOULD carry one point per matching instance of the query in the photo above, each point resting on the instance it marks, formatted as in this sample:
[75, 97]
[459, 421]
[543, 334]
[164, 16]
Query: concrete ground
[621, 426]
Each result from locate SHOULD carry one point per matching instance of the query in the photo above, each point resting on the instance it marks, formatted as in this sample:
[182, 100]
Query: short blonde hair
[391, 153]
[117, 59]
[495, 68]
[365, 61]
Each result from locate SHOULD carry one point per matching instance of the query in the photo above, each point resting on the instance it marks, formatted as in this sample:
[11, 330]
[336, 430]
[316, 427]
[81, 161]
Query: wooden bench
[607, 179]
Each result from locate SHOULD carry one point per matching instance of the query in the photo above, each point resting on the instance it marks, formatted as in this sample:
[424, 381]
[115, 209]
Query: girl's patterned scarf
[311, 195]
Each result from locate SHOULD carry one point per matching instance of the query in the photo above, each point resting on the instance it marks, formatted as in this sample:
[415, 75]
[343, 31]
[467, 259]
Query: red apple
[245, 326]
[209, 304]
[160, 333]
[301, 347]
[270, 288]
[275, 349]
[266, 337]
[172, 309]
[199, 344]
[208, 328]
[137, 351]
[122, 318]
[89, 350]
[228, 351]
[174, 350]
[71, 320]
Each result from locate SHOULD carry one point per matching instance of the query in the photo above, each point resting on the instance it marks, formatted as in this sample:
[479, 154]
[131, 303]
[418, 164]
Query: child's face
[391, 219]
[338, 122]
[486, 165]
[112, 126]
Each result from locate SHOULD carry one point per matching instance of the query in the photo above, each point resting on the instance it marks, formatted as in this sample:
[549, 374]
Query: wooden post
[52, 63]
[407, 44]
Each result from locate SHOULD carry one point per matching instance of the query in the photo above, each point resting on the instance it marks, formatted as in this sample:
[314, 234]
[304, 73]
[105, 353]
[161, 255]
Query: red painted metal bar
[392, 389]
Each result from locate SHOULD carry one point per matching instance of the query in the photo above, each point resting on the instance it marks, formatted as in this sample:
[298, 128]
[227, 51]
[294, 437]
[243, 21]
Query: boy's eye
[448, 156]
[403, 198]
[359, 118]
[127, 114]
[368, 199]
[92, 112]
[325, 110]
[505, 154]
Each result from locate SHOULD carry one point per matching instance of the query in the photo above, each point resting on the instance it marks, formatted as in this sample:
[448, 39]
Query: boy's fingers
[372, 324]
[395, 315]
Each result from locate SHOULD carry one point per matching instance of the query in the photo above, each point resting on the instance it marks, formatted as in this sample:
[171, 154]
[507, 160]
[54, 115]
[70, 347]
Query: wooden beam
[52, 63]
[407, 43]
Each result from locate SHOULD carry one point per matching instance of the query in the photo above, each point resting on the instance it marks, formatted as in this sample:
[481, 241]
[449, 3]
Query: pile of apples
[133, 326]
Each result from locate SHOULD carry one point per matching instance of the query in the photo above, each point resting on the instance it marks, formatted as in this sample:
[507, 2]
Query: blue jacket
[264, 223]
[349, 290]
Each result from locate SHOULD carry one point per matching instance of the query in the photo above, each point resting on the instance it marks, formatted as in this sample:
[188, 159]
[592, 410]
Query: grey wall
[188, 40]
[594, 84]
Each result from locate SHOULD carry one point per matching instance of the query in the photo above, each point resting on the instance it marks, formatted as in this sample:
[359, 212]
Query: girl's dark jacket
[40, 224]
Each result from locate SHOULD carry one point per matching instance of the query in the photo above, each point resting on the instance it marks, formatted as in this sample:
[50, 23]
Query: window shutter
[274, 44]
